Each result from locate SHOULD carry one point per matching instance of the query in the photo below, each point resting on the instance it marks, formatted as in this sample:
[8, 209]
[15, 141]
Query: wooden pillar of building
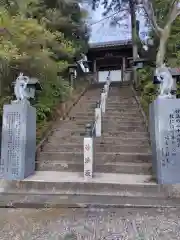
[123, 68]
[94, 66]
[95, 70]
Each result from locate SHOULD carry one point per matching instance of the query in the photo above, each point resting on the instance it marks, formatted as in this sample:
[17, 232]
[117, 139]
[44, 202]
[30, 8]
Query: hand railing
[95, 130]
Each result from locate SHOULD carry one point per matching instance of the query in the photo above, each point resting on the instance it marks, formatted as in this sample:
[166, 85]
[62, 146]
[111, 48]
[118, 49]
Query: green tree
[169, 52]
[161, 15]
[34, 40]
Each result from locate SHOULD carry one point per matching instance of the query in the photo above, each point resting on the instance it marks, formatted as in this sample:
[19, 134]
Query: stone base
[164, 124]
[18, 141]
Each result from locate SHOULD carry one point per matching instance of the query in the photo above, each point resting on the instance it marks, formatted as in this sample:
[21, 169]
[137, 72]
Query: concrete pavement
[91, 224]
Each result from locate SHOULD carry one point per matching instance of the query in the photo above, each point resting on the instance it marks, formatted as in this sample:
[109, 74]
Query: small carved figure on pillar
[25, 87]
[20, 88]
[166, 82]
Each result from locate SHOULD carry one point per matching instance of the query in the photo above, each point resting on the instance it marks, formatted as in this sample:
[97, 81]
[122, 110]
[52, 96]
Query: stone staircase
[123, 148]
[122, 158]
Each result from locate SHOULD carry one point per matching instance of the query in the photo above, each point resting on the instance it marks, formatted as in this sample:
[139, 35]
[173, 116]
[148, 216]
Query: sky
[103, 32]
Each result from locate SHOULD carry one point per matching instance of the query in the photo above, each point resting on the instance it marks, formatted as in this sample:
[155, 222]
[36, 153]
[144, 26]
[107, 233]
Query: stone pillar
[18, 147]
[164, 128]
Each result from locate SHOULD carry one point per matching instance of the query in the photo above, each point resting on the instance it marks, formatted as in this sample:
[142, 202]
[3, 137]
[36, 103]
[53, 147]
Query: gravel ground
[110, 224]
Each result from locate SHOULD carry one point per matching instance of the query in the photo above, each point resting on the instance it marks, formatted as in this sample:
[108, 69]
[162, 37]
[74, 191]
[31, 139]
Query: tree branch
[148, 7]
[174, 11]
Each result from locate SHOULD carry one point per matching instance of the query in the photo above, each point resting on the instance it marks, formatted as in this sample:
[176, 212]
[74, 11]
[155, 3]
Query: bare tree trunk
[1, 87]
[162, 46]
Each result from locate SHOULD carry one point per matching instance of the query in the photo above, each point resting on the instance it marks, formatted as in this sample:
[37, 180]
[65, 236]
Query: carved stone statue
[166, 82]
[83, 63]
[20, 88]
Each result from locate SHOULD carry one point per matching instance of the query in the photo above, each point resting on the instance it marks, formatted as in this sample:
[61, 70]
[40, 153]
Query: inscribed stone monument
[164, 123]
[18, 146]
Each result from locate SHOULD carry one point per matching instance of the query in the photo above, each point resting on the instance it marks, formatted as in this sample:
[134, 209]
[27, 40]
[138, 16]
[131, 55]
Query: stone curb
[82, 205]
[142, 111]
[50, 128]
[65, 202]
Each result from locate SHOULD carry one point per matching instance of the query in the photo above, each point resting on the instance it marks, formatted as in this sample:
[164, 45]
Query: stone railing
[95, 130]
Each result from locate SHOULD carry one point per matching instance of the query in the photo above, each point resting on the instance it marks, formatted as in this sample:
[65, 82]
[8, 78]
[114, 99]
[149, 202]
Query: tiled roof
[110, 44]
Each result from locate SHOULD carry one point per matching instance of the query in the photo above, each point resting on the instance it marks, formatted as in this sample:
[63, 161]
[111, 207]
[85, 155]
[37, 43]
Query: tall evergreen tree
[36, 38]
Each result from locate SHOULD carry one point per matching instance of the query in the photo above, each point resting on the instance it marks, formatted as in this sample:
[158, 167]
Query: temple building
[110, 56]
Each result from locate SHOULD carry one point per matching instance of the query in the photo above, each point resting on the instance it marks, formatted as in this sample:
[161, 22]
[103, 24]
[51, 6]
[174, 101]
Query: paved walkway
[109, 224]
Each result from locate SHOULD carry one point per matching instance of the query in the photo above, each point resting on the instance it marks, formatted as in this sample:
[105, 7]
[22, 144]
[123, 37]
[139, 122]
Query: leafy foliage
[172, 56]
[147, 89]
[36, 38]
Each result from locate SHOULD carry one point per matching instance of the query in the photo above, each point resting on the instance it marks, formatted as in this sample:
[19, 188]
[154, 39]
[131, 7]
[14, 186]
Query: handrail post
[103, 101]
[98, 120]
[88, 153]
[106, 90]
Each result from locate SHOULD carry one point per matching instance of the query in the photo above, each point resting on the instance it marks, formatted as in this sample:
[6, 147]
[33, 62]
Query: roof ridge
[110, 43]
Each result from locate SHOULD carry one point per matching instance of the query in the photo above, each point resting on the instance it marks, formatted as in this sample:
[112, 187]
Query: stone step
[106, 128]
[121, 91]
[110, 101]
[85, 106]
[126, 134]
[123, 95]
[89, 100]
[106, 118]
[102, 157]
[128, 107]
[128, 168]
[93, 92]
[123, 102]
[81, 132]
[106, 123]
[83, 200]
[120, 99]
[119, 107]
[87, 114]
[119, 110]
[57, 146]
[115, 112]
[128, 102]
[124, 111]
[108, 115]
[113, 95]
[101, 140]
[52, 183]
[91, 95]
